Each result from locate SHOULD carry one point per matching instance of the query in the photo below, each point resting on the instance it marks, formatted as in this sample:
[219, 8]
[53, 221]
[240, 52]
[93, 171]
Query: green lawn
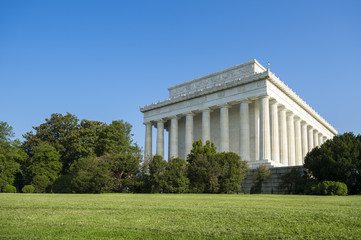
[166, 216]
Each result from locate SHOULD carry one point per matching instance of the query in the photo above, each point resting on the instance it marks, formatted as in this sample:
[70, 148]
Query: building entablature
[251, 87]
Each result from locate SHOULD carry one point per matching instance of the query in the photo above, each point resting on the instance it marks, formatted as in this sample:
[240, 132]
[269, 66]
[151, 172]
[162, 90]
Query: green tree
[175, 176]
[44, 162]
[115, 137]
[57, 132]
[339, 160]
[92, 175]
[156, 173]
[85, 137]
[262, 173]
[41, 183]
[198, 149]
[125, 167]
[233, 171]
[203, 168]
[12, 156]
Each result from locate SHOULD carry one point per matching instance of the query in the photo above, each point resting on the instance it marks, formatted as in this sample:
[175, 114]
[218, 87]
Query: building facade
[245, 109]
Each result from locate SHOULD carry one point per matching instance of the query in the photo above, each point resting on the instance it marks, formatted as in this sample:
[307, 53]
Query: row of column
[283, 137]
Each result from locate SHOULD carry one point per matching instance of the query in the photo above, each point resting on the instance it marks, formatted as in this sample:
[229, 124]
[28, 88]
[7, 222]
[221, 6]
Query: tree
[44, 162]
[198, 149]
[262, 173]
[41, 183]
[339, 160]
[92, 175]
[175, 176]
[124, 167]
[57, 132]
[233, 171]
[12, 156]
[115, 137]
[294, 182]
[85, 137]
[156, 173]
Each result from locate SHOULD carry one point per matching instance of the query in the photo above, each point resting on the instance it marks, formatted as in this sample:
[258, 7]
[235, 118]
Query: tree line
[68, 155]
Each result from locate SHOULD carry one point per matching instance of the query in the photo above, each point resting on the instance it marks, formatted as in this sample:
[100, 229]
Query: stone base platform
[270, 185]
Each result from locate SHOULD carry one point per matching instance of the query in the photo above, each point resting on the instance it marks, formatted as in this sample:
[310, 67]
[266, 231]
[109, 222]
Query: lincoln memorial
[245, 109]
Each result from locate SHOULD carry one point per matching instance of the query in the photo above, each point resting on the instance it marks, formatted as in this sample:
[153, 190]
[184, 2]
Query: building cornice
[205, 91]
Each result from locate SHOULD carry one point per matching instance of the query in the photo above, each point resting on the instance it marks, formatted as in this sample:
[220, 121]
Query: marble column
[189, 133]
[160, 138]
[315, 138]
[283, 137]
[291, 139]
[324, 139]
[298, 141]
[275, 150]
[244, 147]
[310, 138]
[256, 130]
[173, 148]
[224, 125]
[148, 141]
[206, 125]
[264, 132]
[304, 140]
[320, 139]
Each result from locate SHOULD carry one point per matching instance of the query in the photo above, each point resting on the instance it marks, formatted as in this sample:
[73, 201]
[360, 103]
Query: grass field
[161, 216]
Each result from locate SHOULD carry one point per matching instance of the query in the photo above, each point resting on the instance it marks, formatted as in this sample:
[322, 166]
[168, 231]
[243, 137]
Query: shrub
[62, 184]
[330, 188]
[339, 160]
[9, 189]
[262, 173]
[28, 189]
[40, 183]
[293, 182]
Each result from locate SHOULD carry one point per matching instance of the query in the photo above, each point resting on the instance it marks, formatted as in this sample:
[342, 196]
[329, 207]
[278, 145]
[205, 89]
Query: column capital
[297, 118]
[274, 101]
[162, 120]
[290, 114]
[264, 96]
[246, 100]
[149, 122]
[207, 110]
[282, 108]
[174, 117]
[225, 106]
[190, 113]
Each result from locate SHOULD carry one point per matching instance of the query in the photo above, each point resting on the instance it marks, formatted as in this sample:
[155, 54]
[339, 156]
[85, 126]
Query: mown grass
[161, 216]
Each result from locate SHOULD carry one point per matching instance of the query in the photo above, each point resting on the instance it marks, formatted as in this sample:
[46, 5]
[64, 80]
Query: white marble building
[244, 109]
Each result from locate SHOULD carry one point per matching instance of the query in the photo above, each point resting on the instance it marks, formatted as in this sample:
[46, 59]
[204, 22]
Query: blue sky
[101, 60]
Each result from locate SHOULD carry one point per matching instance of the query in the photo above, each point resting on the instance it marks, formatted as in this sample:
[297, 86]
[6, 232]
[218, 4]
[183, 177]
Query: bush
[293, 182]
[62, 184]
[9, 189]
[175, 176]
[330, 188]
[338, 160]
[28, 189]
[262, 173]
[40, 183]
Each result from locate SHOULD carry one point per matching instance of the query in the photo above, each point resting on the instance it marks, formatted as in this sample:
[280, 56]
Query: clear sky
[101, 60]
